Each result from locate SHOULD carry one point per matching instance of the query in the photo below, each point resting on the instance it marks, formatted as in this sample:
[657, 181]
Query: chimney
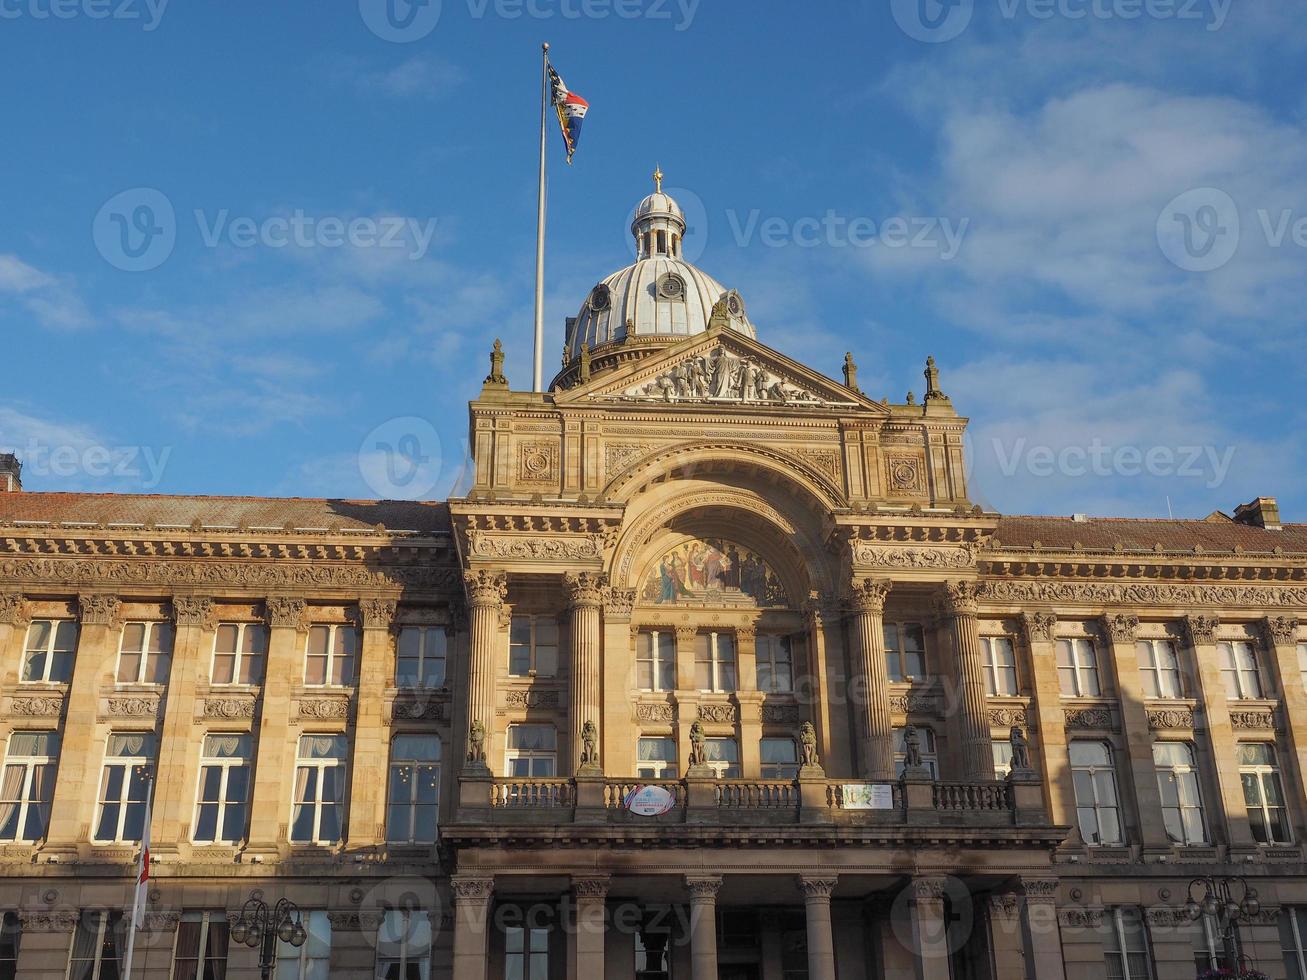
[11, 473]
[1261, 512]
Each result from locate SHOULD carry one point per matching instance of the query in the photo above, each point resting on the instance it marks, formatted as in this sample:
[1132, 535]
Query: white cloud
[16, 276]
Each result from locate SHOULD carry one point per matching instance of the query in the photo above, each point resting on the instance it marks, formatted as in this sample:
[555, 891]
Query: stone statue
[850, 372]
[808, 745]
[585, 363]
[496, 375]
[1020, 749]
[589, 744]
[933, 394]
[911, 747]
[698, 754]
[476, 744]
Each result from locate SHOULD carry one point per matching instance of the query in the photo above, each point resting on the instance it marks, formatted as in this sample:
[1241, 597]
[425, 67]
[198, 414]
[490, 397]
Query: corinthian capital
[377, 614]
[289, 611]
[1040, 625]
[99, 609]
[1121, 627]
[1202, 629]
[15, 610]
[190, 610]
[486, 588]
[1280, 630]
[868, 595]
[585, 589]
[959, 598]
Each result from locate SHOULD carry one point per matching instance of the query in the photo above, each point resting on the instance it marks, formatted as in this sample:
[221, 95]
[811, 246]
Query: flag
[571, 110]
[140, 900]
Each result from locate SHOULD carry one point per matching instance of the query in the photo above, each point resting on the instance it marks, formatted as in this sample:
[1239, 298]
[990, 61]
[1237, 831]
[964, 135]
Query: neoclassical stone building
[715, 671]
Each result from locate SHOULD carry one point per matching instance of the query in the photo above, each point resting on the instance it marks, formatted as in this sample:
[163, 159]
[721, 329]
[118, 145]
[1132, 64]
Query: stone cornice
[1143, 565]
[1113, 594]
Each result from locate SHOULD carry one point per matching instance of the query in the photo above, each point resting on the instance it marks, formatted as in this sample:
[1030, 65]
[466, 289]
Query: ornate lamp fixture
[1218, 902]
[259, 927]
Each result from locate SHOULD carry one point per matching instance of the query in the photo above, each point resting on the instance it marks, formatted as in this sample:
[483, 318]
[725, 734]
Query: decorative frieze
[132, 707]
[537, 462]
[37, 707]
[721, 713]
[1254, 720]
[1163, 719]
[190, 610]
[287, 611]
[42, 920]
[1202, 629]
[1039, 891]
[535, 547]
[100, 609]
[1074, 918]
[228, 708]
[418, 709]
[1007, 716]
[1053, 592]
[325, 709]
[1040, 627]
[1122, 627]
[920, 558]
[590, 886]
[1164, 917]
[1098, 717]
[528, 698]
[780, 714]
[618, 455]
[914, 704]
[655, 712]
[905, 474]
[927, 889]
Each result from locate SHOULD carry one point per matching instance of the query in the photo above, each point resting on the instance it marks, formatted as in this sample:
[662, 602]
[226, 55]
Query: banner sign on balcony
[868, 796]
[649, 801]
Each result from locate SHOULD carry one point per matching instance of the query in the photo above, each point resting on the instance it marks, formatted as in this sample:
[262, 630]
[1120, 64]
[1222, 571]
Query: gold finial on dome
[658, 179]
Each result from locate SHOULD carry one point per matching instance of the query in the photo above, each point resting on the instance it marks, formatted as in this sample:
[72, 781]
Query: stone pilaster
[929, 928]
[1046, 719]
[703, 925]
[872, 672]
[15, 617]
[826, 660]
[1042, 935]
[1281, 635]
[959, 605]
[486, 592]
[590, 893]
[749, 698]
[471, 925]
[585, 597]
[821, 940]
[371, 739]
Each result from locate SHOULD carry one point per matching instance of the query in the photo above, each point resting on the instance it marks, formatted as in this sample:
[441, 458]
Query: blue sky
[1087, 210]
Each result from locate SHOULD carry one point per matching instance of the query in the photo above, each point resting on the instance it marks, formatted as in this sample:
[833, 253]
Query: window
[653, 960]
[421, 659]
[929, 751]
[10, 932]
[404, 945]
[714, 662]
[1094, 778]
[238, 652]
[526, 953]
[1263, 793]
[201, 950]
[1293, 931]
[532, 750]
[330, 659]
[50, 647]
[780, 758]
[1177, 782]
[1159, 669]
[656, 758]
[1239, 668]
[414, 789]
[1002, 750]
[28, 786]
[1302, 662]
[905, 651]
[224, 789]
[312, 961]
[1077, 668]
[722, 756]
[125, 787]
[775, 665]
[1212, 951]
[655, 661]
[533, 646]
[1125, 944]
[145, 653]
[319, 789]
[97, 944]
[1000, 666]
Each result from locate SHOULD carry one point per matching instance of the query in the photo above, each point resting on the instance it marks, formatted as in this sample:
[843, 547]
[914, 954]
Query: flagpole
[136, 885]
[540, 228]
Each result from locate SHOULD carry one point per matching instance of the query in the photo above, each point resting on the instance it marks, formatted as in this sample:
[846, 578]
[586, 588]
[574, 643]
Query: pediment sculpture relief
[720, 376]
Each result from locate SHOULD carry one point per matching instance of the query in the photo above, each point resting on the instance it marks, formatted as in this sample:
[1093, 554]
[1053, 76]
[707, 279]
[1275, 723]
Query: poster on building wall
[868, 796]
[649, 801]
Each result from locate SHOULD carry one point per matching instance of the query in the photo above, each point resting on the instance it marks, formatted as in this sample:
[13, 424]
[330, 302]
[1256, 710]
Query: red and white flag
[141, 898]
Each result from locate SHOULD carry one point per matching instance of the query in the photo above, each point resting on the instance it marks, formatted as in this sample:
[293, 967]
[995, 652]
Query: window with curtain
[1093, 777]
[656, 758]
[780, 758]
[929, 751]
[532, 751]
[775, 665]
[145, 653]
[414, 789]
[714, 662]
[28, 785]
[1176, 764]
[51, 646]
[201, 949]
[1000, 666]
[124, 787]
[526, 953]
[655, 660]
[317, 816]
[330, 657]
[1002, 750]
[1125, 945]
[312, 961]
[11, 931]
[239, 650]
[404, 945]
[1077, 668]
[533, 646]
[98, 944]
[905, 651]
[1292, 922]
[224, 789]
[723, 757]
[421, 656]
[1159, 669]
[1240, 670]
[1263, 793]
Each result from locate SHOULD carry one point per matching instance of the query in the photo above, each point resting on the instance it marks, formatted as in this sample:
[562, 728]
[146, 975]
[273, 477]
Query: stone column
[1046, 721]
[584, 598]
[73, 808]
[826, 661]
[960, 607]
[703, 925]
[687, 692]
[1220, 730]
[1042, 935]
[749, 698]
[870, 669]
[590, 892]
[274, 758]
[1281, 633]
[46, 940]
[929, 929]
[371, 741]
[471, 920]
[1122, 629]
[1006, 944]
[486, 592]
[179, 751]
[821, 941]
[617, 748]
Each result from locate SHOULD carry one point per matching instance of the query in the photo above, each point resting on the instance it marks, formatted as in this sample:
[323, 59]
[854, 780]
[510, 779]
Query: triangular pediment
[719, 367]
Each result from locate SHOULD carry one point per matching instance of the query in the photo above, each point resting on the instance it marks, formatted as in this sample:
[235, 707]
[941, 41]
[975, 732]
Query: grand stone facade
[897, 735]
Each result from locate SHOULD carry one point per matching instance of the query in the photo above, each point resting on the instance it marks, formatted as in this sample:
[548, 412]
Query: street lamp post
[259, 927]
[1219, 904]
